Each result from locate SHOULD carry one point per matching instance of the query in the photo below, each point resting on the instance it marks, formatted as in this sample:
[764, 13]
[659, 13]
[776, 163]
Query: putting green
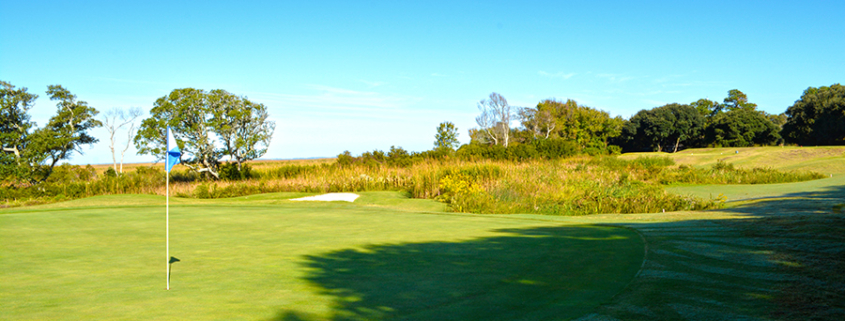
[265, 258]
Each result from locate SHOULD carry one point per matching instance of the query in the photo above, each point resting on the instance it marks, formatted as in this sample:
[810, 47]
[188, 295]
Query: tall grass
[726, 173]
[573, 186]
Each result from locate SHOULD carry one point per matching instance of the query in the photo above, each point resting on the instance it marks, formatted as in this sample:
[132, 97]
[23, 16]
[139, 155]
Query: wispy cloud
[654, 102]
[327, 101]
[372, 84]
[614, 77]
[560, 75]
[131, 81]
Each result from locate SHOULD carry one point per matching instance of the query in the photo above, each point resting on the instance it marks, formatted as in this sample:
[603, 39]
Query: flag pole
[172, 157]
[167, 219]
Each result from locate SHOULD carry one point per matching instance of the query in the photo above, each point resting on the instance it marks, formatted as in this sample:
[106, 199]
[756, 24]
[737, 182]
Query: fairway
[265, 258]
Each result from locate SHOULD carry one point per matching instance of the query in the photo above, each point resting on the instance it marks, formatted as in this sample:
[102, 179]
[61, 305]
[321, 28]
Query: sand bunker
[347, 197]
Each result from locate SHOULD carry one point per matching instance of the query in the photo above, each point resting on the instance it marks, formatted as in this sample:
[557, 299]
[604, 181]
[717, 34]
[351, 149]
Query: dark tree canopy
[663, 127]
[741, 128]
[738, 100]
[818, 118]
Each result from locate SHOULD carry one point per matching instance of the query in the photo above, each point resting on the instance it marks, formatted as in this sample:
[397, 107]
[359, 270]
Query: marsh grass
[572, 186]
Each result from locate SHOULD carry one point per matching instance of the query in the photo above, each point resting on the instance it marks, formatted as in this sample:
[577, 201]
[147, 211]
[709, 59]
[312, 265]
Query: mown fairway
[264, 258]
[775, 252]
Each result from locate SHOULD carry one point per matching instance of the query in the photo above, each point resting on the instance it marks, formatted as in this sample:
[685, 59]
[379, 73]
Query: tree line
[210, 125]
[817, 118]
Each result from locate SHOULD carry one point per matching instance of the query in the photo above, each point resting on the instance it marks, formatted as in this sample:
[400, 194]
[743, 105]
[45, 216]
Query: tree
[738, 100]
[15, 121]
[663, 126]
[34, 152]
[242, 125]
[188, 114]
[15, 126]
[446, 137]
[740, 128]
[586, 126]
[495, 119]
[114, 120]
[818, 118]
[197, 117]
[707, 108]
[539, 121]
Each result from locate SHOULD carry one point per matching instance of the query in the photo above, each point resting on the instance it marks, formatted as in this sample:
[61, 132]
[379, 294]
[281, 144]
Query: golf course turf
[268, 259]
[774, 252]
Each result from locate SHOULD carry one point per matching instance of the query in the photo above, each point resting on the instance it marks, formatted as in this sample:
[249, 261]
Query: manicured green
[262, 257]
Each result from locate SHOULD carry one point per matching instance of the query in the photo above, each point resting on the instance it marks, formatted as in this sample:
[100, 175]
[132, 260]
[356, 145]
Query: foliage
[446, 137]
[661, 127]
[707, 108]
[726, 173]
[242, 125]
[30, 153]
[232, 172]
[737, 100]
[818, 118]
[586, 126]
[197, 117]
[741, 127]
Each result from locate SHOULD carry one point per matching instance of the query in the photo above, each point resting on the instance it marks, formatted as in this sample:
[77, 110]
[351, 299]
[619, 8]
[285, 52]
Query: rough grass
[825, 159]
[265, 258]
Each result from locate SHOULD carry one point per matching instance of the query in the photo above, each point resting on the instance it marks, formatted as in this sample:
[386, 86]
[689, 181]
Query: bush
[230, 172]
[556, 148]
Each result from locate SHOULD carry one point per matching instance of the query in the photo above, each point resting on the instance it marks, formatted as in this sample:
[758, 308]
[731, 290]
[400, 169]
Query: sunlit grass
[262, 257]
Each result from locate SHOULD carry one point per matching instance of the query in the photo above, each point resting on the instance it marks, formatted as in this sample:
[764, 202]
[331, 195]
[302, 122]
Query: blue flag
[174, 154]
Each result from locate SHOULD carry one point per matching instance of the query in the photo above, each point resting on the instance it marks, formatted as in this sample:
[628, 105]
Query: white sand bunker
[347, 197]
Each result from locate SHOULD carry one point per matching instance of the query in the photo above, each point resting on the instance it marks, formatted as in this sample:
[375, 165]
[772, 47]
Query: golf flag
[173, 152]
[172, 158]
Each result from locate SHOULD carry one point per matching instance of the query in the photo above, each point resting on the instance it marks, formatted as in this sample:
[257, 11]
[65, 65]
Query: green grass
[265, 258]
[776, 252]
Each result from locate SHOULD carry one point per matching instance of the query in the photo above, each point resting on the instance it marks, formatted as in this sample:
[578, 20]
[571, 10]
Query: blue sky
[360, 76]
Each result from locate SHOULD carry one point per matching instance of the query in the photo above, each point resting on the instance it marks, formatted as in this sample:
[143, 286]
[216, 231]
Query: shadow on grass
[538, 273]
[780, 258]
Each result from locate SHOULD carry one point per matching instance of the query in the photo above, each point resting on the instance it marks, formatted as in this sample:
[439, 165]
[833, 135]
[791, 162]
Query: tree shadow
[779, 258]
[537, 273]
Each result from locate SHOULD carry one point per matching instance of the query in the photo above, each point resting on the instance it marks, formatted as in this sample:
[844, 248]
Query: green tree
[660, 127]
[707, 108]
[15, 129]
[34, 152]
[568, 120]
[738, 100]
[241, 125]
[740, 128]
[188, 113]
[197, 117]
[446, 137]
[818, 118]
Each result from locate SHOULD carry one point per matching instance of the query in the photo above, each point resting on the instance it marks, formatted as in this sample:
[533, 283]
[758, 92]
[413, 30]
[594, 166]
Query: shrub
[230, 172]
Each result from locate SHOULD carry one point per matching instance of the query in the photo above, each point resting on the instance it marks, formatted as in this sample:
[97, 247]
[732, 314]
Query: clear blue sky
[360, 76]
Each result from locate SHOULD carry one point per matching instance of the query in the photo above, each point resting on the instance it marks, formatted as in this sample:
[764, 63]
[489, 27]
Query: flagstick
[167, 218]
